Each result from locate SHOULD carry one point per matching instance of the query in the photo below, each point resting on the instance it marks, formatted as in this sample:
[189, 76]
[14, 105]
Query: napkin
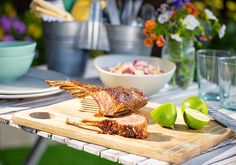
[42, 9]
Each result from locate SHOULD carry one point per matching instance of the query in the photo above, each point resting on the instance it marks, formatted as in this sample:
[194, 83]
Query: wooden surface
[174, 146]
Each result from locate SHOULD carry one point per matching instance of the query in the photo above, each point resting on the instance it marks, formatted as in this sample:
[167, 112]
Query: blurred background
[29, 27]
[15, 145]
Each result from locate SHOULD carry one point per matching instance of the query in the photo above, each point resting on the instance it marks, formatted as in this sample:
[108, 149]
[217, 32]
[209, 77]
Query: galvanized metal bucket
[62, 53]
[127, 40]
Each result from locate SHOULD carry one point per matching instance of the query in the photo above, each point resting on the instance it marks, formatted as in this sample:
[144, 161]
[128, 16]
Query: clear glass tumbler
[227, 82]
[207, 72]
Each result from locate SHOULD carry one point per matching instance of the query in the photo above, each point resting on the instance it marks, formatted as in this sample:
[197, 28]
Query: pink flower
[18, 26]
[8, 38]
[5, 23]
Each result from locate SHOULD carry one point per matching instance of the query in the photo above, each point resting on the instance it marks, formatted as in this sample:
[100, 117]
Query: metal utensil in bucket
[127, 40]
[62, 54]
[93, 33]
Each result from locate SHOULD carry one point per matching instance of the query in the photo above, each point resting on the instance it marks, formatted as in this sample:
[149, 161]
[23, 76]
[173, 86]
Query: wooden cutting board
[174, 146]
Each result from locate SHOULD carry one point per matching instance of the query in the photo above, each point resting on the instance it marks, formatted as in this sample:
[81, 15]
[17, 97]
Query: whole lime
[165, 115]
[196, 103]
[195, 119]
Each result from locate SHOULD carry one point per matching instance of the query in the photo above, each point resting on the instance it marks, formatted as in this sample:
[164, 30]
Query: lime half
[196, 103]
[165, 115]
[195, 119]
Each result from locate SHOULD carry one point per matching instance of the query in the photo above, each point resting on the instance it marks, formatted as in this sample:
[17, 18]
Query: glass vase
[183, 55]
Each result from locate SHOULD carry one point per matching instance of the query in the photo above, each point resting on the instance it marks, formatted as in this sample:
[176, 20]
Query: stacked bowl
[15, 59]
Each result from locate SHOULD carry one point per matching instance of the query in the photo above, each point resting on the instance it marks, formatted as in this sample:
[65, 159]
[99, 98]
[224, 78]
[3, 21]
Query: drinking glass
[227, 82]
[207, 72]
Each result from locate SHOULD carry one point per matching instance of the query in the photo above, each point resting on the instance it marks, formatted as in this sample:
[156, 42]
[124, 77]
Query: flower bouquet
[179, 24]
[25, 27]
[11, 28]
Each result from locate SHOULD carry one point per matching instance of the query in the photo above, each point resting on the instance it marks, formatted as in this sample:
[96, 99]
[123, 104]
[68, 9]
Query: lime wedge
[196, 103]
[195, 119]
[165, 115]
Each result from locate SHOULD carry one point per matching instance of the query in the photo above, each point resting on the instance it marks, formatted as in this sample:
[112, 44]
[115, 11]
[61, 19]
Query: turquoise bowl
[13, 67]
[17, 48]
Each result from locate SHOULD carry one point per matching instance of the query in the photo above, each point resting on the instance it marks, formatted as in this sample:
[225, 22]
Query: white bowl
[149, 84]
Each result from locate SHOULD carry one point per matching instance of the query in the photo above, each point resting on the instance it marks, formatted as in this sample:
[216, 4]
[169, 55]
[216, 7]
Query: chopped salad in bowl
[148, 74]
[135, 67]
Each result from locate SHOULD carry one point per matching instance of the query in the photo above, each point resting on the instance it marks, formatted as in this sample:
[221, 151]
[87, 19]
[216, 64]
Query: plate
[33, 82]
[30, 95]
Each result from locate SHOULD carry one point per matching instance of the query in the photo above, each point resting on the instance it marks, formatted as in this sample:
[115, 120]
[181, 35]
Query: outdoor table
[224, 153]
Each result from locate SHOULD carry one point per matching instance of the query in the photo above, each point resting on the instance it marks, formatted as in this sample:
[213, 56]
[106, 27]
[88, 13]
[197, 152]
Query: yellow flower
[216, 4]
[199, 5]
[1, 33]
[219, 4]
[34, 31]
[231, 5]
[9, 9]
